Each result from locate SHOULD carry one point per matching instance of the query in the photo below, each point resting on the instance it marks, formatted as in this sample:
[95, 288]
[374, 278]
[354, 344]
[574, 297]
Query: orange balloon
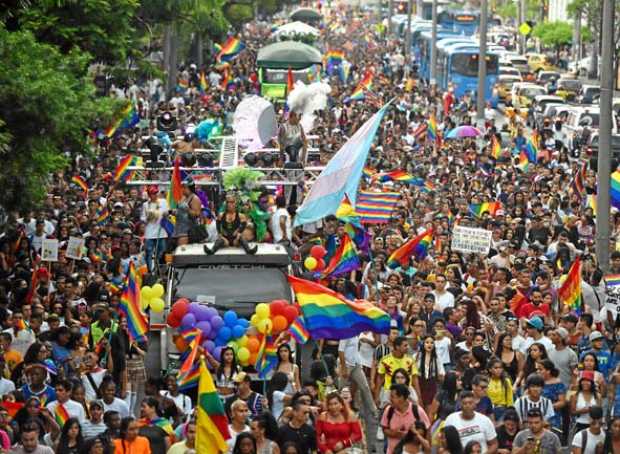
[180, 343]
[279, 323]
[252, 359]
[253, 344]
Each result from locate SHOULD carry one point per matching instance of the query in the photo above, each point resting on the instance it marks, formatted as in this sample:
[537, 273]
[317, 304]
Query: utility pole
[604, 149]
[433, 74]
[408, 35]
[390, 13]
[522, 18]
[482, 62]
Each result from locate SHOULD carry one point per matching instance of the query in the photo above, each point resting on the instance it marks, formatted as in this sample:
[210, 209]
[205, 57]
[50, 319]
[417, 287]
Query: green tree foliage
[46, 110]
[238, 13]
[554, 34]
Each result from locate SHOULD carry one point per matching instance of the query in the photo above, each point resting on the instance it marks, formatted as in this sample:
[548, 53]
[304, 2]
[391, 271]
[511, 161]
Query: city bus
[457, 65]
[425, 42]
[460, 21]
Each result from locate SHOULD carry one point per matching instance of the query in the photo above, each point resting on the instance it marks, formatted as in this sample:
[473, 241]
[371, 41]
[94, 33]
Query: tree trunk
[171, 62]
[577, 39]
[199, 50]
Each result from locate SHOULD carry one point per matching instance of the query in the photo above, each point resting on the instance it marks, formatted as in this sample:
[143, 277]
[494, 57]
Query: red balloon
[318, 252]
[180, 308]
[173, 320]
[277, 307]
[290, 312]
[320, 265]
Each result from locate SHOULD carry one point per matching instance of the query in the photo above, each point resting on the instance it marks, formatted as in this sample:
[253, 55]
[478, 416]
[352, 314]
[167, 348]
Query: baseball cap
[536, 322]
[596, 335]
[562, 332]
[153, 190]
[586, 375]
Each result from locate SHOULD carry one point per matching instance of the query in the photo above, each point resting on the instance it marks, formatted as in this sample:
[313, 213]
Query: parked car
[589, 94]
[544, 77]
[568, 88]
[538, 62]
[520, 62]
[539, 106]
[509, 70]
[580, 118]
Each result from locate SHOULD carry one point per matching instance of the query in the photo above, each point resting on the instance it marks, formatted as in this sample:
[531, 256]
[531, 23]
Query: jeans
[155, 246]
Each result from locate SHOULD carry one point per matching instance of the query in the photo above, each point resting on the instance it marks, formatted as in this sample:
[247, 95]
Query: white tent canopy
[296, 28]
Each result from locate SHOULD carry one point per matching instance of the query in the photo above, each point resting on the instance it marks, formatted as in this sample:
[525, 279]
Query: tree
[554, 34]
[46, 110]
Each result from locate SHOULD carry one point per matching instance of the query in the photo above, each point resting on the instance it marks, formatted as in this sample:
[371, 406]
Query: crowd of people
[462, 370]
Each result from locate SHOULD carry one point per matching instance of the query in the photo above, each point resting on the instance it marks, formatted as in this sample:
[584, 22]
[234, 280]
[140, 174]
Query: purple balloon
[208, 345]
[212, 312]
[202, 313]
[205, 327]
[194, 308]
[188, 321]
[217, 352]
[212, 334]
[217, 323]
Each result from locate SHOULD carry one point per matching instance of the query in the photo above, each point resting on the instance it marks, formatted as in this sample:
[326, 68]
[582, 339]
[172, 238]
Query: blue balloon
[225, 333]
[238, 331]
[230, 318]
[243, 322]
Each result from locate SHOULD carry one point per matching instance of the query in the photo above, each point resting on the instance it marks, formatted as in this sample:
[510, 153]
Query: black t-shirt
[504, 439]
[157, 438]
[304, 437]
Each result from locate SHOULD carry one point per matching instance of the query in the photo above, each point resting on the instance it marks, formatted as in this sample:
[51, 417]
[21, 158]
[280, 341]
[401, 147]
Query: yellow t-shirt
[389, 364]
[500, 396]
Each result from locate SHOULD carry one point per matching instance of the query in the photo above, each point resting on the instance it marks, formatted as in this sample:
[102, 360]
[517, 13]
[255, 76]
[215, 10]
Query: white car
[581, 117]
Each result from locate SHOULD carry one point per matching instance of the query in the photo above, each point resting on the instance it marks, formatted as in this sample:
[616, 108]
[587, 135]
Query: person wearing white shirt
[111, 402]
[73, 408]
[443, 298]
[473, 426]
[280, 223]
[154, 234]
[93, 377]
[183, 402]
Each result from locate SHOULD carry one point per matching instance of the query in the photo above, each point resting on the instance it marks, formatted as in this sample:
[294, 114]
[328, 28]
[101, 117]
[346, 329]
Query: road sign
[525, 29]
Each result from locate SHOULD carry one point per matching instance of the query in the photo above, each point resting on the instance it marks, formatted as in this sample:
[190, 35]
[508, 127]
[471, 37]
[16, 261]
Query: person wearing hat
[94, 425]
[602, 353]
[591, 439]
[256, 402]
[36, 386]
[534, 328]
[564, 358]
[187, 212]
[154, 234]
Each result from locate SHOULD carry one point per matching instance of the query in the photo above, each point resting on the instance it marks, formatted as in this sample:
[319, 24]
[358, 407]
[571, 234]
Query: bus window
[465, 64]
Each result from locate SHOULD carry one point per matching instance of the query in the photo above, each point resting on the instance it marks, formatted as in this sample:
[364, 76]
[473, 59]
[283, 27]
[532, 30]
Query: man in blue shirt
[602, 353]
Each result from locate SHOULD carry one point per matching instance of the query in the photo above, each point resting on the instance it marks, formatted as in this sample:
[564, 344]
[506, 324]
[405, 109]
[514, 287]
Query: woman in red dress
[337, 429]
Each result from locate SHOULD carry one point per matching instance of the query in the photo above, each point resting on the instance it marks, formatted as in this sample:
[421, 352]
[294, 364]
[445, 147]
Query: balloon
[205, 327]
[180, 308]
[277, 307]
[290, 312]
[243, 322]
[146, 293]
[144, 303]
[238, 331]
[262, 310]
[157, 305]
[208, 345]
[212, 335]
[242, 341]
[265, 326]
[188, 321]
[217, 322]
[180, 344]
[202, 313]
[318, 252]
[194, 308]
[233, 345]
[320, 265]
[230, 318]
[217, 352]
[253, 344]
[243, 354]
[280, 323]
[212, 312]
[173, 321]
[253, 357]
[310, 263]
[158, 290]
[254, 320]
[224, 333]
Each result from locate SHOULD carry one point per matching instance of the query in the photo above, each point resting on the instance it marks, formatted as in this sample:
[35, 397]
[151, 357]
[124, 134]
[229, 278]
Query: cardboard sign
[74, 248]
[49, 250]
[471, 240]
[612, 293]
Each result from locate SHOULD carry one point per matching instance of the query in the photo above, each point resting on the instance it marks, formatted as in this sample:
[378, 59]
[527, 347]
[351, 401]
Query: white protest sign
[49, 250]
[471, 240]
[74, 248]
[612, 293]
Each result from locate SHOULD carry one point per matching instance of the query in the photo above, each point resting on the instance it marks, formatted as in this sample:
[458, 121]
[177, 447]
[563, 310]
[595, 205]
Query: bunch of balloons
[315, 261]
[271, 319]
[217, 330]
[151, 297]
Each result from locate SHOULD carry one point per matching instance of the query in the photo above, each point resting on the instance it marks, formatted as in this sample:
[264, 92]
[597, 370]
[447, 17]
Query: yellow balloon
[147, 293]
[310, 263]
[254, 320]
[158, 290]
[265, 326]
[242, 341]
[243, 355]
[145, 303]
[157, 305]
[262, 310]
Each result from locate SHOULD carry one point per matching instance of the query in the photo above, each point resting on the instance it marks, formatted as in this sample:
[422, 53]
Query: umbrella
[306, 15]
[288, 54]
[296, 28]
[461, 132]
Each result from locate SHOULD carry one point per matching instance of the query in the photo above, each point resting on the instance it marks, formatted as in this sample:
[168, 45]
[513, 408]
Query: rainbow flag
[431, 130]
[129, 306]
[570, 291]
[202, 83]
[578, 183]
[416, 247]
[189, 380]
[80, 182]
[167, 224]
[22, 324]
[615, 189]
[368, 173]
[353, 227]
[532, 147]
[376, 207]
[298, 331]
[364, 85]
[523, 163]
[128, 119]
[188, 372]
[478, 209]
[396, 175]
[229, 49]
[329, 315]
[211, 422]
[122, 172]
[344, 260]
[591, 202]
[162, 423]
[428, 186]
[612, 280]
[102, 216]
[267, 356]
[496, 148]
[113, 288]
[517, 302]
[332, 59]
[61, 415]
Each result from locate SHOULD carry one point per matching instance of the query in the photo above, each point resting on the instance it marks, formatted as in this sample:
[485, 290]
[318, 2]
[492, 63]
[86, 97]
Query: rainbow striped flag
[612, 280]
[332, 60]
[517, 302]
[523, 163]
[428, 186]
[532, 147]
[188, 372]
[61, 415]
[363, 86]
[395, 175]
[128, 119]
[211, 422]
[570, 291]
[137, 324]
[102, 216]
[591, 202]
[353, 227]
[496, 148]
[267, 356]
[329, 315]
[298, 331]
[478, 209]
[431, 130]
[189, 380]
[416, 247]
[80, 182]
[229, 50]
[162, 423]
[615, 190]
[122, 172]
[202, 83]
[343, 261]
[368, 173]
[376, 207]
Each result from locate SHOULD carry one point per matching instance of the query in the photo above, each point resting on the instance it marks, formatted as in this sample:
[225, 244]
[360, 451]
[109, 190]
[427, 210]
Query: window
[467, 64]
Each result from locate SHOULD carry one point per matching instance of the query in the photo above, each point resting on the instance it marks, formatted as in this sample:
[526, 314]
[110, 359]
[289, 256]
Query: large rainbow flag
[128, 119]
[329, 315]
[615, 190]
[416, 247]
[396, 175]
[478, 209]
[229, 49]
[532, 147]
[570, 291]
[211, 422]
[431, 130]
[344, 260]
[137, 325]
[364, 85]
[122, 172]
[376, 207]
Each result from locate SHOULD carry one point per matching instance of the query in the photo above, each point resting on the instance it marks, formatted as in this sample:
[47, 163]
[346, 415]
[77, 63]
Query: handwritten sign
[471, 240]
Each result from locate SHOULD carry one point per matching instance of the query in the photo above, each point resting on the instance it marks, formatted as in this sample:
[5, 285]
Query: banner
[74, 248]
[49, 250]
[471, 240]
